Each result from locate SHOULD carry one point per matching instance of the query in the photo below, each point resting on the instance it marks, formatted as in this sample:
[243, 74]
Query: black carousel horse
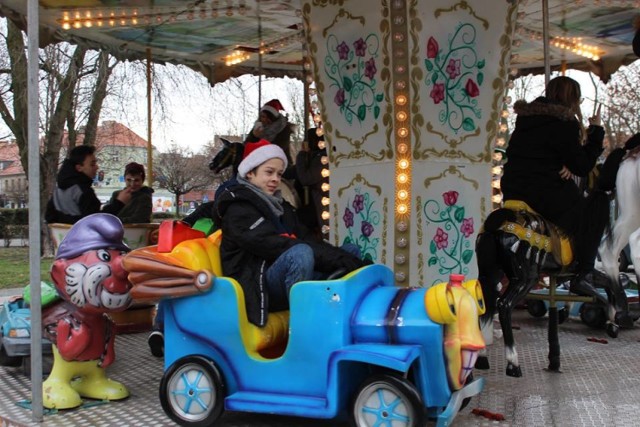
[229, 155]
[519, 244]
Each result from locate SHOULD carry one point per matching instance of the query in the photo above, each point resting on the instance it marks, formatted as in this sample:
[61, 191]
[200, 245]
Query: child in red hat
[264, 247]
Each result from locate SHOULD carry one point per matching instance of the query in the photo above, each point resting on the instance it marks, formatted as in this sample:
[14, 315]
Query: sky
[191, 113]
[194, 112]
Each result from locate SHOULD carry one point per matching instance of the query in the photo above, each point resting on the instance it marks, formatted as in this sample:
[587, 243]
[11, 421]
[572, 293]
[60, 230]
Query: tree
[180, 171]
[621, 104]
[73, 86]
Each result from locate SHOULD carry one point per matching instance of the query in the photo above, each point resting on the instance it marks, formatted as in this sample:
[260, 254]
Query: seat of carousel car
[186, 262]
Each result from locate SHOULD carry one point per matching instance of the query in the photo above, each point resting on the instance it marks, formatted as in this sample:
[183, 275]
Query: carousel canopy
[225, 38]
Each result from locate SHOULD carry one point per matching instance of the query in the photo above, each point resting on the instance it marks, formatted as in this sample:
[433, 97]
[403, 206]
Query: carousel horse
[231, 155]
[626, 229]
[518, 244]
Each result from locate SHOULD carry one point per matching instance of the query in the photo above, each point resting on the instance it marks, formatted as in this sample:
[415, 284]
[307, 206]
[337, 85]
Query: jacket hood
[69, 176]
[543, 107]
[145, 189]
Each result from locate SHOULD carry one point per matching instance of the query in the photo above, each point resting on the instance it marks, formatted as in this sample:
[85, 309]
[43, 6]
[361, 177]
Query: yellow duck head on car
[457, 306]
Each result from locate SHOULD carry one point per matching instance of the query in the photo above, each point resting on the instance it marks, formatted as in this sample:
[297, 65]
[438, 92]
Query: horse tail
[486, 254]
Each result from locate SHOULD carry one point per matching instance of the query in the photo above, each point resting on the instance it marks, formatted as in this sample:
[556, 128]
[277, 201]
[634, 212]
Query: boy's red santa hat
[256, 153]
[274, 107]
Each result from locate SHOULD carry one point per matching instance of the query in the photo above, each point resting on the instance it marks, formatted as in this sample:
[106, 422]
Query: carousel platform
[599, 386]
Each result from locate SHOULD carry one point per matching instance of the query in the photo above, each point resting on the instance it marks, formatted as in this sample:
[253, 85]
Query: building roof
[112, 133]
[9, 159]
[109, 134]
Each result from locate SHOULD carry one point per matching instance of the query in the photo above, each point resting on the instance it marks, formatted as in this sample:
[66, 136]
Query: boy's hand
[565, 173]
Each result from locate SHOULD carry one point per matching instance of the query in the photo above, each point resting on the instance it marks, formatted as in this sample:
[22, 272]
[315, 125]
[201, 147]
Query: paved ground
[599, 386]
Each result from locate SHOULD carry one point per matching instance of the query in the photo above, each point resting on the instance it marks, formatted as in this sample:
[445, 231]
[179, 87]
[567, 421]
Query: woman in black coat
[547, 147]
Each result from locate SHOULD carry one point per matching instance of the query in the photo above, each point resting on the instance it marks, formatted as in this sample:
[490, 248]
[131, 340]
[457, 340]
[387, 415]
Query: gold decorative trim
[499, 82]
[421, 268]
[342, 14]
[385, 211]
[450, 153]
[336, 238]
[419, 232]
[359, 153]
[360, 178]
[463, 5]
[324, 3]
[453, 170]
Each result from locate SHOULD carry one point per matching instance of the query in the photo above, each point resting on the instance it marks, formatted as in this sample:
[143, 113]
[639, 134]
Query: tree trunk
[99, 94]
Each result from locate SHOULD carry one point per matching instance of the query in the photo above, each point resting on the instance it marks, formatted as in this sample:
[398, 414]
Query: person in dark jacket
[139, 208]
[309, 166]
[274, 127]
[547, 147]
[74, 198]
[263, 246]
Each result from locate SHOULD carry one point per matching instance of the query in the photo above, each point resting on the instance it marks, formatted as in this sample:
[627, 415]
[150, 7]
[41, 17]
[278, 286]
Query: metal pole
[259, 59]
[545, 41]
[149, 144]
[34, 210]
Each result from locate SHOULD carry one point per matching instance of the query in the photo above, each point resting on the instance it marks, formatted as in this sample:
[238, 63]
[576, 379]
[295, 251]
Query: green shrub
[12, 231]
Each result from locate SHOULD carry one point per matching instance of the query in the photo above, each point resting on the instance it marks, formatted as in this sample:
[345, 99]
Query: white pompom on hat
[274, 107]
[256, 153]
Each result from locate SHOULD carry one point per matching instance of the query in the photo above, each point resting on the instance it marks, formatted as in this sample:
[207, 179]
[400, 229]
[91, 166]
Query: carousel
[413, 97]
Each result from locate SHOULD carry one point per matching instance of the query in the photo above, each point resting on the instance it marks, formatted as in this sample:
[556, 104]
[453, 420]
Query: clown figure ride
[91, 282]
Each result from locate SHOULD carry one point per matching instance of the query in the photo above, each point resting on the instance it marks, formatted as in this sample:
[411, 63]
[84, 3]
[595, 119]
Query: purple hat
[97, 231]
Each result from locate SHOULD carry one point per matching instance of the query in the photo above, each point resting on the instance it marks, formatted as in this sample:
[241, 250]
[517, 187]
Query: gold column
[401, 120]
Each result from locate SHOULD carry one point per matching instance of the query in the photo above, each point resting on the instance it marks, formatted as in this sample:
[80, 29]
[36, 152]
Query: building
[13, 180]
[116, 145]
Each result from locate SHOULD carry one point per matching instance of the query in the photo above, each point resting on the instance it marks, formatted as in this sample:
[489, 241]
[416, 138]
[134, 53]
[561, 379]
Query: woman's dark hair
[564, 91]
[134, 168]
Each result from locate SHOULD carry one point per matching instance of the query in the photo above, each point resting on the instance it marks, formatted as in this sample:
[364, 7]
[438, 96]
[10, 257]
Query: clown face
[95, 281]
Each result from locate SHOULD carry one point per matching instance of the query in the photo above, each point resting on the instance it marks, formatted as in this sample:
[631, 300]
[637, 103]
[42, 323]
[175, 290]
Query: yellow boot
[94, 384]
[57, 392]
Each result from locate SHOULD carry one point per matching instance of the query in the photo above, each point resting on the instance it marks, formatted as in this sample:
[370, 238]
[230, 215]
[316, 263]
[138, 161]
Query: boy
[263, 246]
[74, 198]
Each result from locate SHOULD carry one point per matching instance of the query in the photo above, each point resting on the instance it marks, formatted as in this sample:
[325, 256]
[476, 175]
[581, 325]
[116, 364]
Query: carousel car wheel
[536, 308]
[5, 359]
[593, 315]
[192, 392]
[385, 399]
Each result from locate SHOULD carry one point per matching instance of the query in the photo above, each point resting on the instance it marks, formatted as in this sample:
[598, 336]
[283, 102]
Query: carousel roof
[223, 38]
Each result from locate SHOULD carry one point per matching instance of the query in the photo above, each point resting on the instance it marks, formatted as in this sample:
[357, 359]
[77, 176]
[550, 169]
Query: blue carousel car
[15, 328]
[358, 347]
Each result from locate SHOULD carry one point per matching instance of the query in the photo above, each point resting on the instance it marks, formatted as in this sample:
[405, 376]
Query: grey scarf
[272, 130]
[274, 202]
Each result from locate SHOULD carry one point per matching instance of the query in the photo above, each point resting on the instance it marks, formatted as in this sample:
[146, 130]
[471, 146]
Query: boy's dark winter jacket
[253, 238]
[74, 198]
[139, 208]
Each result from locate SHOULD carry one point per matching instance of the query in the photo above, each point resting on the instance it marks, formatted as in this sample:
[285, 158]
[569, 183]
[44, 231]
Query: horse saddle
[531, 227]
